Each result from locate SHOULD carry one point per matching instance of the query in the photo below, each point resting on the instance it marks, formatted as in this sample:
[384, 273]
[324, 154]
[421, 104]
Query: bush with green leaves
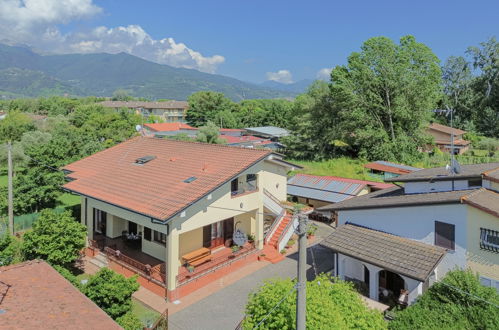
[331, 304]
[458, 302]
[111, 291]
[10, 250]
[55, 237]
[130, 321]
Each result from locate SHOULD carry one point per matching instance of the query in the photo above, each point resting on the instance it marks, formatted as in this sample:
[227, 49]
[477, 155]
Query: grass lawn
[342, 167]
[67, 199]
[3, 181]
[144, 313]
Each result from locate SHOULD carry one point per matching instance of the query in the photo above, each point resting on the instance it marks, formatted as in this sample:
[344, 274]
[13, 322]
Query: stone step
[98, 263]
[101, 257]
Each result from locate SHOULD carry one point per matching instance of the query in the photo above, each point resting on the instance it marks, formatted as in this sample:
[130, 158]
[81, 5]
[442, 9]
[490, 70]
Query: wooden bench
[197, 257]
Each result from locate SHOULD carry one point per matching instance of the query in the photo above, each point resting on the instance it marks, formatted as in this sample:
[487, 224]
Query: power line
[277, 305]
[470, 294]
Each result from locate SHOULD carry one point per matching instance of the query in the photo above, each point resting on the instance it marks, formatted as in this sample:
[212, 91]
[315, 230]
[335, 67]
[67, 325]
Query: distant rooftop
[446, 129]
[271, 131]
[168, 127]
[390, 167]
[442, 174]
[33, 295]
[146, 105]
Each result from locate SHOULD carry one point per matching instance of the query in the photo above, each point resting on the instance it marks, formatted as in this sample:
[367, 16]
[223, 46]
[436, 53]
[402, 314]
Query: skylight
[145, 159]
[189, 180]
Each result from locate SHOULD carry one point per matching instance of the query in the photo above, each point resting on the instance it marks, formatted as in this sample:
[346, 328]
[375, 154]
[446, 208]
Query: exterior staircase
[100, 260]
[277, 234]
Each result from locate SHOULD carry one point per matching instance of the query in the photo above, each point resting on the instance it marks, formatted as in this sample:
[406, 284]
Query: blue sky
[248, 39]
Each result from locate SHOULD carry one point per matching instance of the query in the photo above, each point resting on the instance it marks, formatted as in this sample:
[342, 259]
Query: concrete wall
[315, 203]
[115, 226]
[274, 178]
[491, 185]
[424, 187]
[155, 249]
[417, 223]
[484, 262]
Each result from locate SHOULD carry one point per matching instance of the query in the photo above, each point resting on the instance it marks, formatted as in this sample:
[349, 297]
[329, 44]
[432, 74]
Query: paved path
[225, 309]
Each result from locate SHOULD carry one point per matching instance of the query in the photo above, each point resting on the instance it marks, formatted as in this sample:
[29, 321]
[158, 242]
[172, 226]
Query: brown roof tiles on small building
[33, 295]
[394, 253]
[446, 129]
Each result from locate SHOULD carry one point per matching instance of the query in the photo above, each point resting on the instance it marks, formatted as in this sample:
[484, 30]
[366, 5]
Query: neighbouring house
[457, 212]
[231, 131]
[33, 295]
[3, 115]
[269, 132]
[170, 129]
[385, 170]
[169, 111]
[442, 135]
[250, 141]
[171, 211]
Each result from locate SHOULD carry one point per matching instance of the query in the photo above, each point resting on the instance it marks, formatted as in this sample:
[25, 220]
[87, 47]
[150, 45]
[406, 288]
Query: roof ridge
[472, 193]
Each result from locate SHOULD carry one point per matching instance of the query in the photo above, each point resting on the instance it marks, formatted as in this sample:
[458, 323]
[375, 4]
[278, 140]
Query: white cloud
[34, 22]
[281, 76]
[324, 74]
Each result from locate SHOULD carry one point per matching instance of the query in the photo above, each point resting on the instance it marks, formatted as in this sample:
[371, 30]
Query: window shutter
[147, 233]
[444, 235]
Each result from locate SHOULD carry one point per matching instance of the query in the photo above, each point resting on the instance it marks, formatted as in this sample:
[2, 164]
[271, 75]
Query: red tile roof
[386, 168]
[457, 142]
[231, 130]
[374, 184]
[36, 296]
[168, 127]
[445, 129]
[157, 188]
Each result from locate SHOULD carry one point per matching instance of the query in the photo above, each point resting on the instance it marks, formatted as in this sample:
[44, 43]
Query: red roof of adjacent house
[457, 142]
[374, 184]
[168, 127]
[157, 188]
[390, 167]
[445, 129]
[231, 130]
[33, 295]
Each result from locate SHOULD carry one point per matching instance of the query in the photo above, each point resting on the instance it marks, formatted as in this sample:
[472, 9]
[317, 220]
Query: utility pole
[11, 195]
[301, 297]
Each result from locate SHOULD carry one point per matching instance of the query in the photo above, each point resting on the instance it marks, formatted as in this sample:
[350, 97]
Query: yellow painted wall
[274, 178]
[190, 241]
[484, 262]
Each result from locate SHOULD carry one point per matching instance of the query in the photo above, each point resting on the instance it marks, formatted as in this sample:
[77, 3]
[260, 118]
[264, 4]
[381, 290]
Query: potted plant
[283, 251]
[311, 231]
[235, 248]
[261, 257]
[190, 268]
[290, 244]
[251, 238]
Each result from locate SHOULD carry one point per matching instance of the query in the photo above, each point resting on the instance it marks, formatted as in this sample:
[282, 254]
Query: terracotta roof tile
[394, 253]
[36, 296]
[168, 127]
[157, 188]
[485, 200]
[390, 167]
[446, 129]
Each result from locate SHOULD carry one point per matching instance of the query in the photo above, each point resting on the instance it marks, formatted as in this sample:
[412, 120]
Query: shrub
[10, 250]
[130, 321]
[330, 305]
[56, 238]
[445, 307]
[111, 291]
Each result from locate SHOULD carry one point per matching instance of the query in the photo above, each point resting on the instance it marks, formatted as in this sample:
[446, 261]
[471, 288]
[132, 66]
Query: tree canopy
[55, 237]
[330, 305]
[459, 301]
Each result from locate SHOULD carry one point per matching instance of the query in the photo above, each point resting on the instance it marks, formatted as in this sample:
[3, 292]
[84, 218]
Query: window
[234, 186]
[444, 235]
[159, 237]
[475, 183]
[489, 240]
[147, 233]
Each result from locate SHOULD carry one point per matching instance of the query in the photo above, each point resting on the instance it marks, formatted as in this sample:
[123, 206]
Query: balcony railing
[216, 263]
[154, 273]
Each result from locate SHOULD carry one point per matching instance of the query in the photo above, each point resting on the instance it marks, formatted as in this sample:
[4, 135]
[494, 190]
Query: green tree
[121, 95]
[330, 305]
[14, 126]
[386, 92]
[458, 302]
[209, 134]
[10, 249]
[55, 237]
[111, 291]
[204, 106]
[130, 321]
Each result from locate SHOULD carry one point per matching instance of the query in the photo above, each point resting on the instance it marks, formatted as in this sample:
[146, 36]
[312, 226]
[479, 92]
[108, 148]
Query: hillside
[25, 73]
[298, 87]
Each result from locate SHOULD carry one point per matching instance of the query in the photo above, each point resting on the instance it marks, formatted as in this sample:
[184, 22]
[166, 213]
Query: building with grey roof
[269, 132]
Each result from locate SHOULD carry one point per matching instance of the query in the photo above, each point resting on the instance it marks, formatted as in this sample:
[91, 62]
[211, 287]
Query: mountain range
[25, 73]
[296, 87]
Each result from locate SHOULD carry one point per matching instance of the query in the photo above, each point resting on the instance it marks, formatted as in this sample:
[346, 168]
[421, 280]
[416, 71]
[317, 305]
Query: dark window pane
[147, 233]
[444, 235]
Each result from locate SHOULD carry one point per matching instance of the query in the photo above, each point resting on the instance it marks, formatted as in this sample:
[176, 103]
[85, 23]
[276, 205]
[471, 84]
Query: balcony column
[259, 228]
[172, 263]
[90, 221]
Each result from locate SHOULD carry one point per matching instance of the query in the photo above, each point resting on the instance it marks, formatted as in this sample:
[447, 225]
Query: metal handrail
[274, 225]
